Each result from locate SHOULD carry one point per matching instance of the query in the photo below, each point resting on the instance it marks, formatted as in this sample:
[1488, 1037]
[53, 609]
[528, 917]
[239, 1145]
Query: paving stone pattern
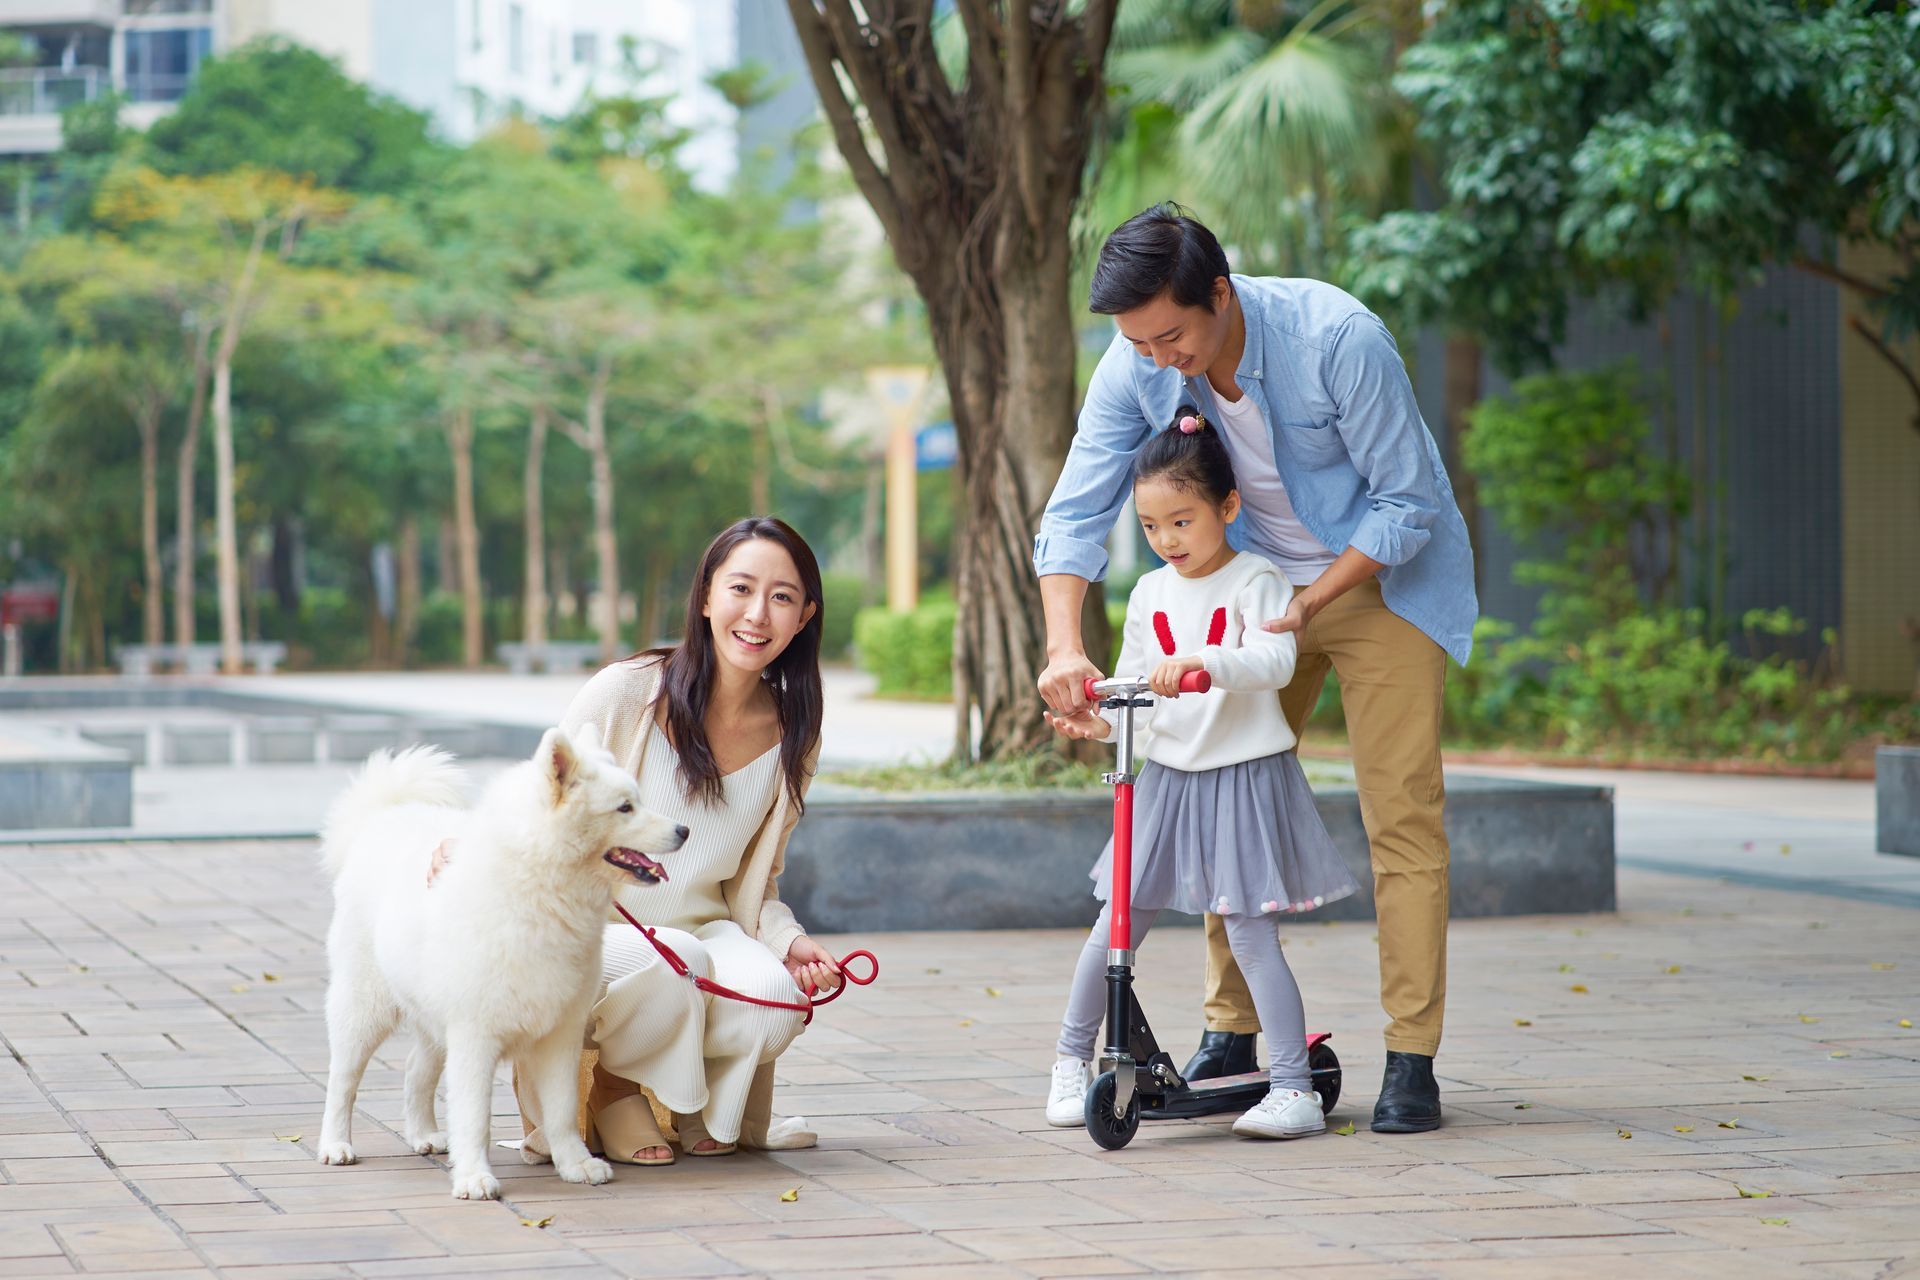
[161, 1094]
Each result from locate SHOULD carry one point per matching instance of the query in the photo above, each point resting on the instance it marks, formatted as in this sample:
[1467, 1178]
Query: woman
[723, 731]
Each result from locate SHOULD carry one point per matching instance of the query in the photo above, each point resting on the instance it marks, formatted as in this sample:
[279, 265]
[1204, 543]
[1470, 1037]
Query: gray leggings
[1255, 942]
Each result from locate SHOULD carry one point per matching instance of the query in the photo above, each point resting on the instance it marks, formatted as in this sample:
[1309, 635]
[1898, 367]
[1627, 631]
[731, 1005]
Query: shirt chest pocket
[1314, 444]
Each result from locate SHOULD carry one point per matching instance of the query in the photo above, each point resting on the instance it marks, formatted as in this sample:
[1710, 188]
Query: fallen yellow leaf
[1785, 849]
[993, 991]
[1566, 968]
[239, 987]
[1623, 1133]
[1881, 964]
[1523, 1106]
[287, 1137]
[79, 968]
[1773, 1222]
[536, 1223]
[1345, 1130]
[1839, 1053]
[1673, 968]
[1579, 933]
[1730, 1124]
[790, 1195]
[966, 1022]
[933, 971]
[1905, 1022]
[1523, 1022]
[1752, 1195]
[1579, 988]
[1805, 1018]
[1755, 1077]
[1683, 1128]
[269, 977]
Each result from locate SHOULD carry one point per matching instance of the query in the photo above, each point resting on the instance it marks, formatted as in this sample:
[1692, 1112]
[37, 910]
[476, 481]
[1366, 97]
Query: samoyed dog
[498, 958]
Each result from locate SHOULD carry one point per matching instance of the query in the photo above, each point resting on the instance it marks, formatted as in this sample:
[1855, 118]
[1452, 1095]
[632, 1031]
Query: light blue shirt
[1357, 460]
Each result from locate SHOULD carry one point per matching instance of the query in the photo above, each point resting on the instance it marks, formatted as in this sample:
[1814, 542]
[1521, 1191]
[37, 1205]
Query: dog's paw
[428, 1144]
[589, 1170]
[337, 1153]
[476, 1186]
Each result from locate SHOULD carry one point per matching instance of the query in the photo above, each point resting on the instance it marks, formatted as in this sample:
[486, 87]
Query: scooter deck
[1210, 1097]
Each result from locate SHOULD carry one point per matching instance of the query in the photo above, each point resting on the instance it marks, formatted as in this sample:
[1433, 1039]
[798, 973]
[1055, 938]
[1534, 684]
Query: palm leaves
[1267, 119]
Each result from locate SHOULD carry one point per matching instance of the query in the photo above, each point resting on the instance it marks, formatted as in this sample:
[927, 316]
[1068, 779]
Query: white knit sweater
[1217, 619]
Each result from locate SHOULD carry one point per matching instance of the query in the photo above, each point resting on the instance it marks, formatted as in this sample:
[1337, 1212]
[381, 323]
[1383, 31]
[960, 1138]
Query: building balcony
[32, 98]
[59, 13]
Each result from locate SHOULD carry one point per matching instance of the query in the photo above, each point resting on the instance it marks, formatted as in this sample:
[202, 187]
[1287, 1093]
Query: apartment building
[467, 63]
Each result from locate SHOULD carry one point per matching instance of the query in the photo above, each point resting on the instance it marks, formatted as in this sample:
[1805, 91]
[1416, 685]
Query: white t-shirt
[1277, 531]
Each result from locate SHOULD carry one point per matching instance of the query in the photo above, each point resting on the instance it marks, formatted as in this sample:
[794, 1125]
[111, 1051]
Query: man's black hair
[1163, 250]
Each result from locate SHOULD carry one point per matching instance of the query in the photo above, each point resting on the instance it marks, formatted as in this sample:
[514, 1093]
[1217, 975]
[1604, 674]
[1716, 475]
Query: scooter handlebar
[1191, 682]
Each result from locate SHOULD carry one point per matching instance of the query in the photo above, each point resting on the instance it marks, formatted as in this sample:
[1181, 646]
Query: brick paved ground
[158, 1107]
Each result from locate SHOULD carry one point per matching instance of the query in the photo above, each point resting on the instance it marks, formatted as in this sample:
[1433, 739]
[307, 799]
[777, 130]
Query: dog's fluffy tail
[417, 775]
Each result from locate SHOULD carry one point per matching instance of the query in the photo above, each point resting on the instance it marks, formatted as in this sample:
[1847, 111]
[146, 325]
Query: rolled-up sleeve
[1094, 483]
[1381, 425]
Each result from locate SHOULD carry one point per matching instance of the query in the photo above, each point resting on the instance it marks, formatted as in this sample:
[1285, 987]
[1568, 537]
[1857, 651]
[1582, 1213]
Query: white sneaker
[1283, 1113]
[1067, 1099]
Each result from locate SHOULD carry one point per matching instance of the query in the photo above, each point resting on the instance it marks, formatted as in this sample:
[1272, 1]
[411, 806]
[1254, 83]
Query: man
[1341, 485]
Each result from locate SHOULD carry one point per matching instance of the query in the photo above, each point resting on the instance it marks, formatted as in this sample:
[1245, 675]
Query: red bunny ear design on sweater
[1163, 629]
[1217, 629]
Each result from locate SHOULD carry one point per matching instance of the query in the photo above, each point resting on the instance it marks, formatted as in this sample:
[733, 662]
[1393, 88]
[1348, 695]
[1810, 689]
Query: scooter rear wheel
[1107, 1129]
[1325, 1066]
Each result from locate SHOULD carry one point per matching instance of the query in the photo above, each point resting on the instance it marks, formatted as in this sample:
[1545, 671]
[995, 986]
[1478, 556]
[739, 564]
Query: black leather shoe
[1409, 1099]
[1221, 1053]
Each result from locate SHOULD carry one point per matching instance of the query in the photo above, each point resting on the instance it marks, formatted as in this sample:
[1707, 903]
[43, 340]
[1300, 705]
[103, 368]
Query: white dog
[499, 958]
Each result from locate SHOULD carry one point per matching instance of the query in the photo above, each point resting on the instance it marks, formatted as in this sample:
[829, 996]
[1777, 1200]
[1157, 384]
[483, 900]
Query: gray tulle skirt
[1240, 840]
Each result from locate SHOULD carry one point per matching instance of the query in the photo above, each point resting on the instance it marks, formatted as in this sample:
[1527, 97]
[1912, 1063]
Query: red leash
[711, 987]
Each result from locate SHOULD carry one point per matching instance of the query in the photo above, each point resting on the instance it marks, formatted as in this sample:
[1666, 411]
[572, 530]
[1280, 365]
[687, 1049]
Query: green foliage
[846, 596]
[911, 653]
[274, 104]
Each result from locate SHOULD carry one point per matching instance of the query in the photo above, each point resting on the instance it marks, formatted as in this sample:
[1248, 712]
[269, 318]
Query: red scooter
[1137, 1078]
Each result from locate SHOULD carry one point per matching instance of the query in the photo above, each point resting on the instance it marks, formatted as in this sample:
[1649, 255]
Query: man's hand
[1063, 685]
[813, 967]
[1300, 611]
[1084, 725]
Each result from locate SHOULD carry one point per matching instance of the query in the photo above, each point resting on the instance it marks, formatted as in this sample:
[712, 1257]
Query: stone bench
[1896, 795]
[138, 661]
[866, 862]
[561, 657]
[50, 780]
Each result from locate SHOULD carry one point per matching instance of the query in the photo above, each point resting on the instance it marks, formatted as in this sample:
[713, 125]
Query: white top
[717, 835]
[1263, 498]
[1240, 719]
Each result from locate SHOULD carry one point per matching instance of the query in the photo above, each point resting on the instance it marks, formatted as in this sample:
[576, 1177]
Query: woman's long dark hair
[793, 678]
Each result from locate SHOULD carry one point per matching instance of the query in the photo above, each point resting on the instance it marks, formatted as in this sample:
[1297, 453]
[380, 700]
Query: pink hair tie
[1189, 424]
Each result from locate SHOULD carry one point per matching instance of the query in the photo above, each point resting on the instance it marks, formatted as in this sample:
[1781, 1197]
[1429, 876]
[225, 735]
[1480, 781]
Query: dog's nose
[680, 833]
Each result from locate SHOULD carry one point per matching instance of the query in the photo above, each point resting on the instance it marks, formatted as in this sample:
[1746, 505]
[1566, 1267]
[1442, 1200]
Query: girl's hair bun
[1189, 456]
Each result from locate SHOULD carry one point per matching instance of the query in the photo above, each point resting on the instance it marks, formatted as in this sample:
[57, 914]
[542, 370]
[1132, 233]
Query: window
[516, 40]
[160, 62]
[586, 49]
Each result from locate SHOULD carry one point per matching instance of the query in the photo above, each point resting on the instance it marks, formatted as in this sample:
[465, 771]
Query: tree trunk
[183, 517]
[152, 615]
[406, 610]
[533, 619]
[651, 589]
[466, 535]
[760, 479]
[226, 539]
[975, 190]
[1462, 391]
[226, 543]
[605, 545]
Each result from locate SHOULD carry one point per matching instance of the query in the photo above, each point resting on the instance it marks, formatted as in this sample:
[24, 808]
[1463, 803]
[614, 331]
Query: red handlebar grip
[1195, 682]
[1092, 696]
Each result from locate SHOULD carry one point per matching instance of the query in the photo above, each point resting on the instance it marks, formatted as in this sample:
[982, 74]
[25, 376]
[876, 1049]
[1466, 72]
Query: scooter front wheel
[1103, 1126]
[1324, 1064]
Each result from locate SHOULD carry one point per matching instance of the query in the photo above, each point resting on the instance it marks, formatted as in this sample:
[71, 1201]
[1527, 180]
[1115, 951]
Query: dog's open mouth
[637, 864]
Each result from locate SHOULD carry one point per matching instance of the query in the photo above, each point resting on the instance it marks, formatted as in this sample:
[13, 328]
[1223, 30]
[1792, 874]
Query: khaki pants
[1391, 681]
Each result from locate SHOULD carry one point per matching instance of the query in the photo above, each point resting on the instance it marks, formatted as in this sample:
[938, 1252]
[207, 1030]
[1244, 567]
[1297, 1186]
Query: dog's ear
[559, 761]
[587, 737]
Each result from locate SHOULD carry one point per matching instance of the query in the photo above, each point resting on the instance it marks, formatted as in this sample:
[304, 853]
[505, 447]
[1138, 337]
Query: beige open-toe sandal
[693, 1131]
[627, 1127]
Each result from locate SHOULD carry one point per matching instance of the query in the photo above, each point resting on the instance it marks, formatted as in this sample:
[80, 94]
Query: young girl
[1223, 819]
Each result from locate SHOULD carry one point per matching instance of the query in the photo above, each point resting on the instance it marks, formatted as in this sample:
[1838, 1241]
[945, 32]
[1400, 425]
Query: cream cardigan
[619, 700]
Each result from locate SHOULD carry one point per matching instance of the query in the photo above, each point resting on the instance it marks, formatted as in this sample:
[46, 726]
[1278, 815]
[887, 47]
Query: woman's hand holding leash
[813, 967]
